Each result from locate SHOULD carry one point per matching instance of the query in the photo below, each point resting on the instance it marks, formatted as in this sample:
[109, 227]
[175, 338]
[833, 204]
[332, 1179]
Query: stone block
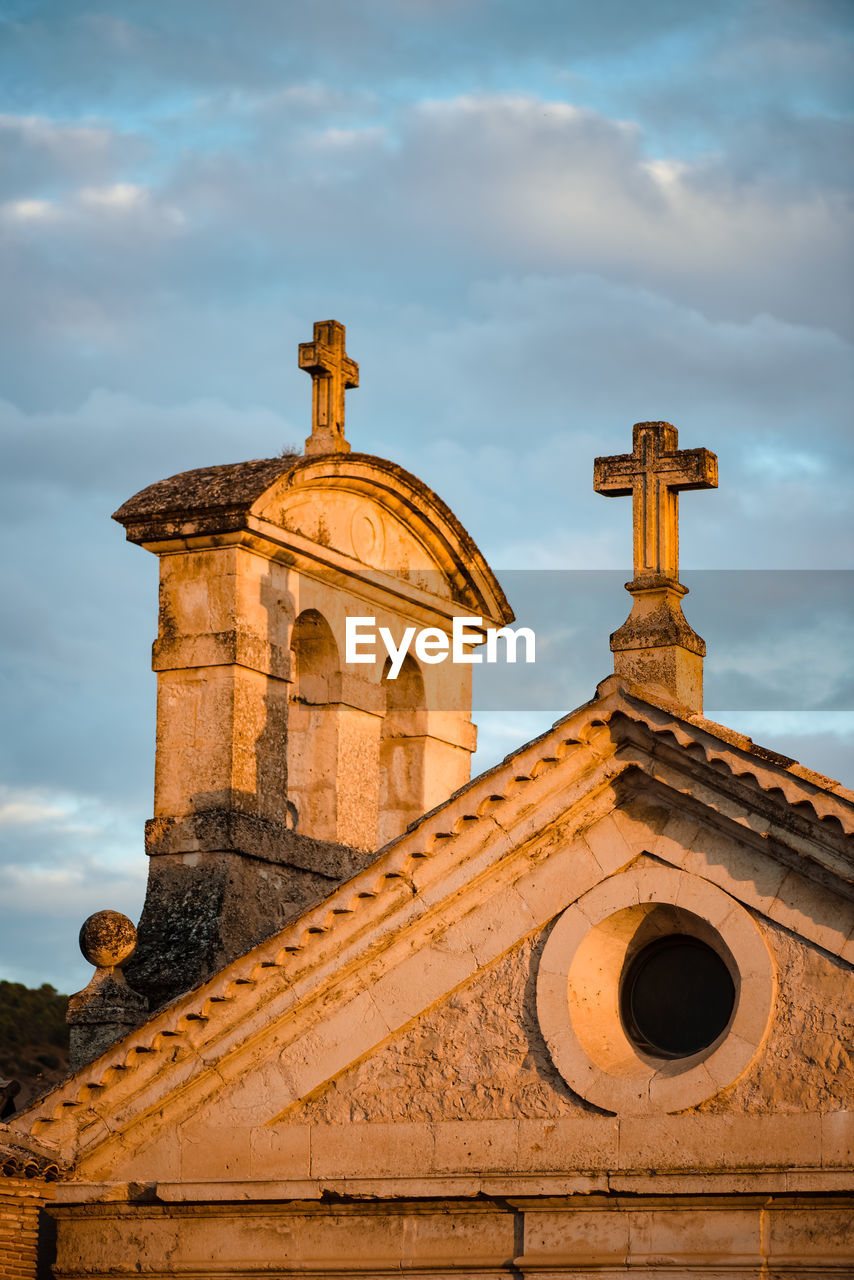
[371, 1150]
[421, 979]
[343, 1035]
[280, 1152]
[641, 821]
[608, 844]
[736, 868]
[476, 1235]
[568, 1144]
[837, 1139]
[214, 1152]
[154, 1158]
[561, 877]
[495, 925]
[675, 839]
[813, 912]
[810, 1238]
[575, 1236]
[483, 1145]
[714, 1236]
[712, 1142]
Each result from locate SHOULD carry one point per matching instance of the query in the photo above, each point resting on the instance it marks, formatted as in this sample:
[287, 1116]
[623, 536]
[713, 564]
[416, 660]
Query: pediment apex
[810, 794]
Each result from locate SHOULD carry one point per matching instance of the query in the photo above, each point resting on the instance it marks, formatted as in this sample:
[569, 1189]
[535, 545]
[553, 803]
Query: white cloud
[539, 182]
[42, 155]
[30, 210]
[119, 195]
[151, 214]
[55, 136]
[667, 173]
[345, 139]
[782, 463]
[73, 816]
[476, 185]
[64, 856]
[452, 190]
[14, 813]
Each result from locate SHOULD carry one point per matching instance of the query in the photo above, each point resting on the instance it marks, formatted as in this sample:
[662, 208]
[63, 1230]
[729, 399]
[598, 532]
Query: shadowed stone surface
[202, 912]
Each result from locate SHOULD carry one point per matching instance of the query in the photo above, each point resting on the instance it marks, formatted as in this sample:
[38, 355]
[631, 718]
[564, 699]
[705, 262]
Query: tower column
[223, 665]
[226, 865]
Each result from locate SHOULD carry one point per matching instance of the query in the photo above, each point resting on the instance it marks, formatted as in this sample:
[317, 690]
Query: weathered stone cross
[332, 373]
[653, 473]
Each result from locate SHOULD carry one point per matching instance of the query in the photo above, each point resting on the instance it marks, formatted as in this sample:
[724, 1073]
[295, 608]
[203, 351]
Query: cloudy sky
[540, 221]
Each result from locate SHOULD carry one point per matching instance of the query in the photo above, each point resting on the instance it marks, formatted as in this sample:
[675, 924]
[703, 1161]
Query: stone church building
[587, 1014]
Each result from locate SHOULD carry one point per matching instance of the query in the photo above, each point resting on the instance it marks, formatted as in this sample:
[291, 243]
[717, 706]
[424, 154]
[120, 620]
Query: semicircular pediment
[376, 513]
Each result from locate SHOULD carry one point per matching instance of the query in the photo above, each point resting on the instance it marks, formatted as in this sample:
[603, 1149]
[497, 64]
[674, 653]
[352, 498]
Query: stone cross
[332, 373]
[653, 473]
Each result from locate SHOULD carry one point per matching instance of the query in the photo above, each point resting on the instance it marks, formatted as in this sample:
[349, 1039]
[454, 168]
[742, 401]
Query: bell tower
[281, 768]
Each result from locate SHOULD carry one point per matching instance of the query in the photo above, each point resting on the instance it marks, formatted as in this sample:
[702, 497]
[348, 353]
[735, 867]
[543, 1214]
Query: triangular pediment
[620, 804]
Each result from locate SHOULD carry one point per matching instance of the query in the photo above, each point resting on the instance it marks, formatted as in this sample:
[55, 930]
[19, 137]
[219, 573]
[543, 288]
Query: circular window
[654, 991]
[676, 997]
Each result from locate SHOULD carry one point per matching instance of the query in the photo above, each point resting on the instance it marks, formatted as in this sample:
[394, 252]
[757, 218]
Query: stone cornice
[705, 1155]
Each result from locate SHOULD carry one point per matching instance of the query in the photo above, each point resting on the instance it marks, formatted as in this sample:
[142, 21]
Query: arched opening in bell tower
[312, 727]
[402, 750]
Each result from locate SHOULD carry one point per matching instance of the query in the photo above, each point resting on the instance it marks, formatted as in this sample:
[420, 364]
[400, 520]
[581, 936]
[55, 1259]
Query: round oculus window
[676, 997]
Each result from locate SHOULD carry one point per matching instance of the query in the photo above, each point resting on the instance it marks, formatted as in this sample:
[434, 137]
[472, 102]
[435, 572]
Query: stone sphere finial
[107, 938]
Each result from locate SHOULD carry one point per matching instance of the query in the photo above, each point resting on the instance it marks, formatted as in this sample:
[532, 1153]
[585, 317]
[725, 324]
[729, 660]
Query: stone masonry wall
[480, 1055]
[477, 1056]
[807, 1063]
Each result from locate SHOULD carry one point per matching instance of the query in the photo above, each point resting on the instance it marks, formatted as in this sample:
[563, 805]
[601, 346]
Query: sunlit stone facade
[395, 1024]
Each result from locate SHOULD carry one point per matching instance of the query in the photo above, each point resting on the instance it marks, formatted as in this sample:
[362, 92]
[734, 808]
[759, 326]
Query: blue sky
[540, 223]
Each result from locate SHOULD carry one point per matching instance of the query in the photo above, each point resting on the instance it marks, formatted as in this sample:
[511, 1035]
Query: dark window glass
[677, 996]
